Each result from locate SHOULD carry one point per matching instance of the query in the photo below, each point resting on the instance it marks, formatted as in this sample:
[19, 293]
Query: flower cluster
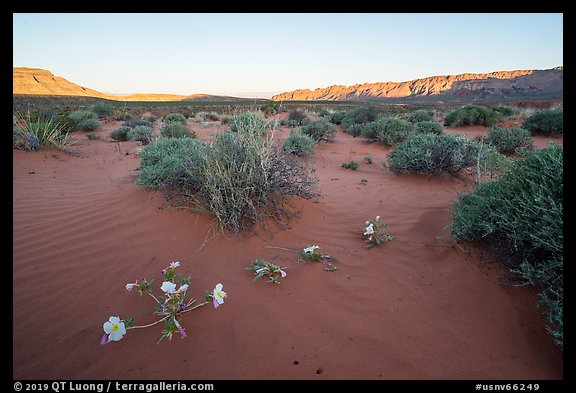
[262, 268]
[373, 233]
[170, 306]
[309, 254]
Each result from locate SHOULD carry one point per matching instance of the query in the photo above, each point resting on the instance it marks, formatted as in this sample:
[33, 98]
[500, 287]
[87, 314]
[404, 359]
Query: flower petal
[115, 336]
[282, 273]
[114, 320]
[104, 340]
[107, 327]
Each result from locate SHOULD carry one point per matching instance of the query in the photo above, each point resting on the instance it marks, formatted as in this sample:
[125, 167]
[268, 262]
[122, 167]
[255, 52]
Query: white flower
[219, 294]
[283, 273]
[369, 230]
[174, 265]
[261, 269]
[367, 222]
[377, 218]
[310, 249]
[114, 328]
[183, 288]
[130, 286]
[168, 287]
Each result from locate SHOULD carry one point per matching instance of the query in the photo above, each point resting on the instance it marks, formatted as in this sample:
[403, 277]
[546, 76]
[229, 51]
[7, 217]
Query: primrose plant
[263, 268]
[170, 305]
[373, 235]
[310, 254]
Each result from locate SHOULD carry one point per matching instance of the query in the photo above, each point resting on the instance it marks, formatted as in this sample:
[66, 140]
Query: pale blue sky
[263, 54]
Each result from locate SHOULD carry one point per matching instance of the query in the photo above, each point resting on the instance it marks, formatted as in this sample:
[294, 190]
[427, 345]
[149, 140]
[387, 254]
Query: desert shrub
[298, 144]
[131, 123]
[238, 178]
[391, 131]
[298, 115]
[419, 116]
[359, 115]
[140, 133]
[350, 165]
[150, 118]
[430, 154]
[89, 125]
[120, 134]
[92, 136]
[175, 117]
[522, 214]
[471, 115]
[428, 127]
[102, 110]
[337, 117]
[504, 110]
[320, 130]
[248, 122]
[176, 130]
[38, 133]
[545, 122]
[169, 163]
[323, 112]
[270, 107]
[83, 120]
[122, 116]
[509, 140]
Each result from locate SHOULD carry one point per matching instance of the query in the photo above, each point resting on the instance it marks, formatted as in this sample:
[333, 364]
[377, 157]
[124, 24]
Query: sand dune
[415, 308]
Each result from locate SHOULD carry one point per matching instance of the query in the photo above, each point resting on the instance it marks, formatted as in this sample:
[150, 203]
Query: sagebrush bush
[89, 125]
[176, 130]
[359, 115]
[546, 122]
[83, 120]
[391, 130]
[136, 122]
[102, 110]
[431, 154]
[170, 163]
[298, 144]
[428, 127]
[522, 213]
[420, 115]
[509, 140]
[506, 111]
[240, 178]
[175, 117]
[34, 133]
[120, 134]
[350, 165]
[142, 134]
[337, 117]
[320, 130]
[298, 115]
[248, 122]
[472, 115]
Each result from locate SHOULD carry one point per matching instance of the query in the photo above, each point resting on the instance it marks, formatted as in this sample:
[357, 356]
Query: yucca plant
[30, 134]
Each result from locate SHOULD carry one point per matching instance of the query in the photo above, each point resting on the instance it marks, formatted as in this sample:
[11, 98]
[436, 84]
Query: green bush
[136, 122]
[176, 130]
[102, 110]
[120, 134]
[175, 117]
[546, 122]
[359, 115]
[504, 110]
[522, 213]
[298, 115]
[323, 112]
[240, 179]
[428, 127]
[320, 130]
[248, 122]
[471, 115]
[419, 116]
[350, 165]
[509, 140]
[431, 154]
[89, 125]
[299, 144]
[337, 117]
[169, 163]
[270, 107]
[140, 133]
[392, 131]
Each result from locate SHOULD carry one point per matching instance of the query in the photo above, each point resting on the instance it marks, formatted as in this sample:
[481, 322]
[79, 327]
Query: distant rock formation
[499, 84]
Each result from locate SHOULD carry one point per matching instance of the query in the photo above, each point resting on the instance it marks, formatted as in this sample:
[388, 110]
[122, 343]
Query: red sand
[414, 308]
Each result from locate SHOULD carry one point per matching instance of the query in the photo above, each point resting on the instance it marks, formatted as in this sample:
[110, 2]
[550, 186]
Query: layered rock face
[500, 83]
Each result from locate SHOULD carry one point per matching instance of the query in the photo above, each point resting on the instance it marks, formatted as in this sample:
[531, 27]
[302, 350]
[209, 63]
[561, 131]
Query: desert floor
[418, 307]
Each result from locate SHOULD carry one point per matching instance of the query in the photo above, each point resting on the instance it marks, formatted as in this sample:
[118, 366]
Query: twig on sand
[281, 248]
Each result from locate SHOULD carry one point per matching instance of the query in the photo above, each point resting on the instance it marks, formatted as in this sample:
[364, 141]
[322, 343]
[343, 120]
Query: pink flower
[104, 340]
[180, 329]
